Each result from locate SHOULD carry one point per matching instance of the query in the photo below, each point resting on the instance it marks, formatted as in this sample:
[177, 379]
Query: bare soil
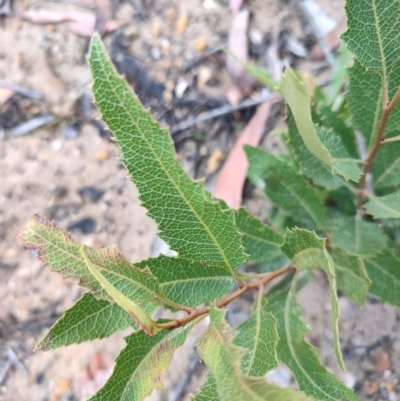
[69, 172]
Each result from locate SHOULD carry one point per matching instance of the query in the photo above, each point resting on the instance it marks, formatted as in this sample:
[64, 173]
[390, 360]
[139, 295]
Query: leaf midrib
[292, 351]
[133, 121]
[385, 207]
[305, 205]
[387, 172]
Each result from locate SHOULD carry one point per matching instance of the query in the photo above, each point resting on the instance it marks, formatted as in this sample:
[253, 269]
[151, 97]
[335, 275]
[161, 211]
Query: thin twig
[4, 370]
[320, 39]
[228, 299]
[20, 89]
[387, 109]
[223, 110]
[16, 361]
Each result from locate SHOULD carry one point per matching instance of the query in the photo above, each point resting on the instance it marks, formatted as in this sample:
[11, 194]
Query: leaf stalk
[260, 283]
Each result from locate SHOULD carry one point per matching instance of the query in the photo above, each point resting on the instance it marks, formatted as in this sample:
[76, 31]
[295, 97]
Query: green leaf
[88, 319]
[342, 163]
[222, 357]
[187, 282]
[384, 272]
[308, 252]
[259, 241]
[351, 276]
[309, 165]
[140, 365]
[259, 337]
[386, 168]
[372, 33]
[208, 391]
[299, 101]
[298, 355]
[284, 187]
[184, 211]
[384, 207]
[364, 97]
[56, 248]
[141, 317]
[356, 236]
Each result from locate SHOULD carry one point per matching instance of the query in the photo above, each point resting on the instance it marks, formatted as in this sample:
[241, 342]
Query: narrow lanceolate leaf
[57, 249]
[384, 207]
[285, 188]
[189, 283]
[140, 365]
[308, 252]
[88, 319]
[351, 276]
[260, 241]
[386, 168]
[298, 355]
[131, 307]
[208, 391]
[356, 236]
[190, 220]
[259, 337]
[309, 165]
[299, 101]
[372, 34]
[384, 272]
[222, 357]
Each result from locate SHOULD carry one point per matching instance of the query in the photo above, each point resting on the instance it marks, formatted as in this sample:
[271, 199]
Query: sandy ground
[43, 172]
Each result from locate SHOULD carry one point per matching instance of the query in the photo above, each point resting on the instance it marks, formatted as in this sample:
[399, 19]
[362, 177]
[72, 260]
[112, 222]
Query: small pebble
[70, 131]
[63, 384]
[85, 225]
[102, 155]
[200, 44]
[90, 193]
[181, 24]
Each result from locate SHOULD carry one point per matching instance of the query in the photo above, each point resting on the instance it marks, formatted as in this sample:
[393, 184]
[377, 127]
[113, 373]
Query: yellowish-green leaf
[308, 252]
[342, 163]
[298, 355]
[208, 391]
[259, 337]
[132, 308]
[299, 101]
[192, 222]
[222, 357]
[308, 164]
[140, 365]
[57, 249]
